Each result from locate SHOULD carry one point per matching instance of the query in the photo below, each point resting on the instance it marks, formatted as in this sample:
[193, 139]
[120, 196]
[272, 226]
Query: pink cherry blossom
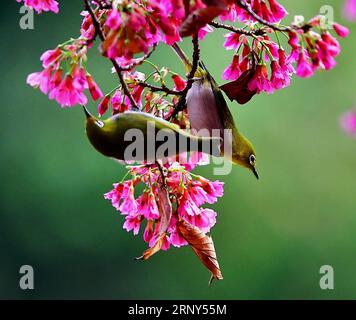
[198, 194]
[69, 92]
[204, 221]
[103, 105]
[232, 72]
[55, 82]
[177, 240]
[51, 58]
[341, 31]
[40, 80]
[273, 48]
[280, 78]
[147, 206]
[120, 103]
[232, 41]
[285, 63]
[187, 206]
[213, 189]
[119, 192]
[304, 68]
[231, 14]
[277, 10]
[274, 12]
[260, 80]
[179, 83]
[133, 222]
[93, 88]
[129, 204]
[204, 31]
[87, 29]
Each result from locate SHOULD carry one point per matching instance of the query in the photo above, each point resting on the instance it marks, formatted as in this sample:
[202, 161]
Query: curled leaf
[165, 209]
[238, 90]
[154, 249]
[203, 246]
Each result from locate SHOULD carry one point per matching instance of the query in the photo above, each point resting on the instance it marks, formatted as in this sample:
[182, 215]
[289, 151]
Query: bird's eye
[99, 123]
[252, 159]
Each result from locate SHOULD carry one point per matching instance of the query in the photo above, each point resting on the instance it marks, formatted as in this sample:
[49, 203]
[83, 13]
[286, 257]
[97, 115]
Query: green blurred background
[271, 237]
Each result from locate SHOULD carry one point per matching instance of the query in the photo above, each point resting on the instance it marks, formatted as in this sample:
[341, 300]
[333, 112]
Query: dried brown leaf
[238, 90]
[165, 209]
[202, 245]
[151, 251]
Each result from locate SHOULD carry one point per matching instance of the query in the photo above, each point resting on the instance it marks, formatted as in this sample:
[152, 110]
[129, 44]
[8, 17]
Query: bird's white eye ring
[252, 159]
[99, 123]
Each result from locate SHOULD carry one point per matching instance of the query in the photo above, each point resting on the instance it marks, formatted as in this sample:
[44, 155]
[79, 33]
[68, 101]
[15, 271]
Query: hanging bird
[139, 136]
[207, 109]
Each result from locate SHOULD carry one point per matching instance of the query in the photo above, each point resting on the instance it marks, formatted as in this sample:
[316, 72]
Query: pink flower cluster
[310, 51]
[188, 192]
[151, 102]
[135, 26]
[67, 90]
[321, 49]
[270, 10]
[41, 5]
[276, 77]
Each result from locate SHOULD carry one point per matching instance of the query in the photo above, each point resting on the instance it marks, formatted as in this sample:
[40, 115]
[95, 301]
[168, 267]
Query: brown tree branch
[182, 103]
[140, 60]
[242, 4]
[252, 33]
[163, 88]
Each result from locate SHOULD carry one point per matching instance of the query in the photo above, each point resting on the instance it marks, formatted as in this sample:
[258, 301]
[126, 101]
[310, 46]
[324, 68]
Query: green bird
[207, 109]
[139, 136]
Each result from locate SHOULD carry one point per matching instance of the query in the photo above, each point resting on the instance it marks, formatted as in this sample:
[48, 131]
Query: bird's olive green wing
[224, 112]
[139, 120]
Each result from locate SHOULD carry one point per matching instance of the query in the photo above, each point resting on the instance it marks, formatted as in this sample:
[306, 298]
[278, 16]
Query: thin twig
[160, 168]
[182, 103]
[258, 32]
[139, 61]
[242, 4]
[103, 4]
[99, 32]
[156, 89]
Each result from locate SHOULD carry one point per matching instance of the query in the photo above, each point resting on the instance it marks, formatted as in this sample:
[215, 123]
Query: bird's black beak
[255, 173]
[87, 113]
